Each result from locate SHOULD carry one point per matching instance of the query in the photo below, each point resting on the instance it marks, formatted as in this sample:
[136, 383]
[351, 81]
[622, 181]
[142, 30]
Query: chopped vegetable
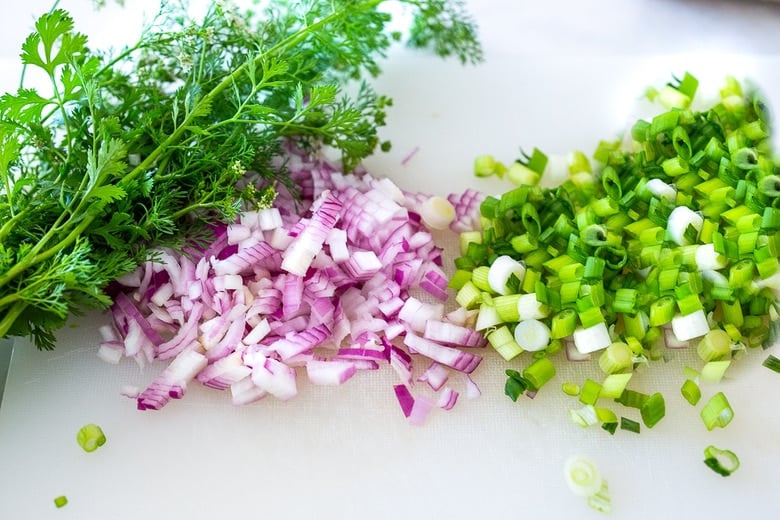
[584, 479]
[717, 412]
[136, 149]
[691, 392]
[722, 462]
[582, 476]
[61, 501]
[772, 363]
[665, 239]
[90, 437]
[272, 296]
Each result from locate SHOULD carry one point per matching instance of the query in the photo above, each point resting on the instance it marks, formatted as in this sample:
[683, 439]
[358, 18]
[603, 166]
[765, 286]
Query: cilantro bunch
[150, 145]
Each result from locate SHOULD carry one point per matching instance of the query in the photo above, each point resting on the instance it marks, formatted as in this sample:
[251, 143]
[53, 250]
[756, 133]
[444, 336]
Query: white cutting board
[346, 452]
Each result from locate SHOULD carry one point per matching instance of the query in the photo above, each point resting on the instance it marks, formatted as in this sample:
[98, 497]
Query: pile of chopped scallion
[669, 238]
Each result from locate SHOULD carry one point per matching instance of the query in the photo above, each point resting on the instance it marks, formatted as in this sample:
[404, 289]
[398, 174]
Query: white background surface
[559, 75]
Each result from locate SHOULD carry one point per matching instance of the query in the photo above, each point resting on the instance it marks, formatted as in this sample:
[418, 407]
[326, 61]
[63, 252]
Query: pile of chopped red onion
[346, 279]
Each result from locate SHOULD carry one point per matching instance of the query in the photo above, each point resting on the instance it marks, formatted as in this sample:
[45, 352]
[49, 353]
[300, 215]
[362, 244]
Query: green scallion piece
[570, 389]
[459, 278]
[632, 399]
[662, 311]
[503, 341]
[629, 425]
[610, 427]
[591, 316]
[515, 385]
[722, 462]
[469, 296]
[616, 358]
[653, 410]
[717, 412]
[564, 324]
[506, 307]
[61, 501]
[772, 363]
[539, 372]
[614, 385]
[691, 392]
[90, 437]
[590, 391]
[524, 243]
[714, 371]
[714, 346]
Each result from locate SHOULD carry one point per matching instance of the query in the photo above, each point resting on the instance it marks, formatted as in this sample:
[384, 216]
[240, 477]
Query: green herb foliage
[145, 145]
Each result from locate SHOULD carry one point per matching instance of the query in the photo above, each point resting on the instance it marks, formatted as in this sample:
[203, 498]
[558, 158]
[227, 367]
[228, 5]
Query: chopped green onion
[713, 371]
[662, 311]
[479, 277]
[486, 165]
[691, 392]
[563, 324]
[532, 335]
[90, 437]
[590, 391]
[653, 410]
[601, 501]
[539, 372]
[717, 412]
[714, 346]
[772, 363]
[571, 389]
[61, 501]
[614, 385]
[582, 476]
[515, 384]
[722, 462]
[629, 425]
[469, 296]
[632, 399]
[585, 416]
[610, 427]
[616, 358]
[503, 341]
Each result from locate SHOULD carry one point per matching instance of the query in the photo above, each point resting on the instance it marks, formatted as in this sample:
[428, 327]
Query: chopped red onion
[321, 284]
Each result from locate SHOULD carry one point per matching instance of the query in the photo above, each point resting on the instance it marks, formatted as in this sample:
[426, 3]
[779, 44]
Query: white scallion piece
[707, 258]
[532, 335]
[582, 476]
[679, 220]
[662, 190]
[501, 270]
[437, 212]
[528, 307]
[690, 326]
[595, 337]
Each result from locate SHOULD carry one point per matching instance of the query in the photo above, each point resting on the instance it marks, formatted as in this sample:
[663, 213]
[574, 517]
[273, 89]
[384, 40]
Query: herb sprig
[151, 144]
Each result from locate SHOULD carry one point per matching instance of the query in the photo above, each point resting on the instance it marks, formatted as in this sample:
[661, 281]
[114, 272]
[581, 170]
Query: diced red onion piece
[447, 398]
[331, 372]
[405, 399]
[452, 357]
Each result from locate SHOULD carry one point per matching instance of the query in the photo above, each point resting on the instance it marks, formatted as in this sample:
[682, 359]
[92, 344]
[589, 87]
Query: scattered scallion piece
[653, 410]
[691, 392]
[515, 384]
[61, 501]
[722, 462]
[582, 476]
[629, 425]
[772, 363]
[90, 437]
[717, 412]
